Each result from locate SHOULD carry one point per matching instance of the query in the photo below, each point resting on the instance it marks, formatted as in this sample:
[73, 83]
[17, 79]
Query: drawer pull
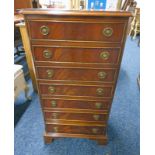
[50, 73]
[54, 115]
[98, 105]
[108, 31]
[96, 117]
[94, 130]
[53, 103]
[55, 129]
[104, 55]
[51, 89]
[44, 30]
[47, 54]
[102, 75]
[100, 91]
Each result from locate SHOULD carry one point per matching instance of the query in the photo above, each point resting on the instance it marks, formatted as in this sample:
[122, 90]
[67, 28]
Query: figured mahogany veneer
[77, 30]
[76, 116]
[59, 103]
[77, 56]
[54, 89]
[76, 129]
[77, 74]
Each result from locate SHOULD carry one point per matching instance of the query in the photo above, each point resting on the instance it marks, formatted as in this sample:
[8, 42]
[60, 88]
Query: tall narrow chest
[77, 56]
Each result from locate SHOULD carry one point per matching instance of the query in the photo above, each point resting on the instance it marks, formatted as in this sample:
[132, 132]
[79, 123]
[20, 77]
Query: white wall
[138, 3]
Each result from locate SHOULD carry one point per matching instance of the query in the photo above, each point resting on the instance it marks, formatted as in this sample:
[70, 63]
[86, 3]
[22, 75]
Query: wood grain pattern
[75, 129]
[75, 13]
[76, 74]
[75, 100]
[77, 54]
[61, 104]
[74, 90]
[72, 116]
[77, 31]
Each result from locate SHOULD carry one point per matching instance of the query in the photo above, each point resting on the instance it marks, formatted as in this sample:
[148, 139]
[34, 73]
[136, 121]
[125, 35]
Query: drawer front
[83, 55]
[76, 74]
[75, 129]
[76, 104]
[75, 90]
[75, 116]
[106, 32]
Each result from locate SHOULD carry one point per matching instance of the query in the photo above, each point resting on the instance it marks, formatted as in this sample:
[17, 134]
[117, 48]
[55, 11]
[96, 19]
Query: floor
[124, 123]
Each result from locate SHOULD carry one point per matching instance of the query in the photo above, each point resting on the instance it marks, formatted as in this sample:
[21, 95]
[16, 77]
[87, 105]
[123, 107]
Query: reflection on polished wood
[77, 56]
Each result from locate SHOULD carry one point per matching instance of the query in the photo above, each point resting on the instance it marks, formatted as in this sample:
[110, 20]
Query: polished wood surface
[77, 56]
[28, 54]
[76, 116]
[82, 105]
[54, 89]
[92, 31]
[21, 4]
[74, 13]
[77, 74]
[76, 129]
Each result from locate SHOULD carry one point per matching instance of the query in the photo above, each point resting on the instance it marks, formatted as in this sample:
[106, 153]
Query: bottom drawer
[75, 129]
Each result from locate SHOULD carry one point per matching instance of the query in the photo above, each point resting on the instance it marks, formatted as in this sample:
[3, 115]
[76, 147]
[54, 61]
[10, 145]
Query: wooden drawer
[76, 129]
[101, 31]
[55, 103]
[76, 74]
[77, 55]
[75, 90]
[75, 116]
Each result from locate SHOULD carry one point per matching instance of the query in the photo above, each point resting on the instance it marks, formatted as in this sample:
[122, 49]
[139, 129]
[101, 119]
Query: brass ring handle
[96, 117]
[98, 105]
[100, 91]
[47, 54]
[104, 55]
[94, 130]
[108, 31]
[51, 89]
[54, 115]
[55, 129]
[44, 30]
[53, 103]
[50, 73]
[102, 75]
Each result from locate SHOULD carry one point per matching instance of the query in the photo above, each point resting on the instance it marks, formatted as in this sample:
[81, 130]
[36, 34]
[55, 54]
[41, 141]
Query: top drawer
[81, 31]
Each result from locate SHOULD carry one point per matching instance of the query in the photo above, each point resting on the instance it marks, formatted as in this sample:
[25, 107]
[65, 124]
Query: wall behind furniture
[138, 3]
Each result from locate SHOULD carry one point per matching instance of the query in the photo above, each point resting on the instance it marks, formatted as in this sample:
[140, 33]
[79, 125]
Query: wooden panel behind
[21, 4]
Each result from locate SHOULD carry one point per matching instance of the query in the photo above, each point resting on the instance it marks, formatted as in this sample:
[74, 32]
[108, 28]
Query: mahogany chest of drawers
[77, 56]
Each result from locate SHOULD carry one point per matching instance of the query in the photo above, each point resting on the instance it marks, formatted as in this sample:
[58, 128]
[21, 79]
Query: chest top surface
[76, 13]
